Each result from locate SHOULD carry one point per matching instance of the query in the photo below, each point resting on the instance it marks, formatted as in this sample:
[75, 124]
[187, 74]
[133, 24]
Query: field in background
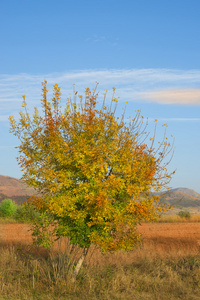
[169, 218]
[159, 240]
[194, 211]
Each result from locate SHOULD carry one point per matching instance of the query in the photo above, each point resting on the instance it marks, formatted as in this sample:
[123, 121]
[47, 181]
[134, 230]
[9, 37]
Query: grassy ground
[26, 273]
[24, 276]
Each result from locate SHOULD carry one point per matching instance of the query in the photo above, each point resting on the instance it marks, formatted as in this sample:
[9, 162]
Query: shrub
[184, 214]
[8, 208]
[26, 213]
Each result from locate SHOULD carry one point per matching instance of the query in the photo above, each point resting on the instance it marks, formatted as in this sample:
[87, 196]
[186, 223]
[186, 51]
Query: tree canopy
[95, 175]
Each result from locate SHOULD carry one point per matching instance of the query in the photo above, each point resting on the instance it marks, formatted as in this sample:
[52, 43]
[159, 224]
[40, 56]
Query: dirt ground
[159, 239]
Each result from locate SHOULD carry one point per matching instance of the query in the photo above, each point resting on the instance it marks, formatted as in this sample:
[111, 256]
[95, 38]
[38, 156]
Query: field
[159, 240]
[165, 266]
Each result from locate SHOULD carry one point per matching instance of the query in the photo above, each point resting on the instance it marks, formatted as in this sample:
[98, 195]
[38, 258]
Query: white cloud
[162, 86]
[177, 96]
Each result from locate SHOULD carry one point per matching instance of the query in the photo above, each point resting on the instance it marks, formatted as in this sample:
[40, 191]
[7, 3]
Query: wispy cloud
[96, 38]
[4, 118]
[176, 96]
[106, 40]
[162, 86]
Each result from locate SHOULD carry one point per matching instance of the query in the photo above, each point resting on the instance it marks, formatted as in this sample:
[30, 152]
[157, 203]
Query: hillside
[14, 189]
[181, 197]
[18, 191]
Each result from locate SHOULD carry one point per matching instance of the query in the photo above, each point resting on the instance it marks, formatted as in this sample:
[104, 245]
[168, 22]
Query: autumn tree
[94, 172]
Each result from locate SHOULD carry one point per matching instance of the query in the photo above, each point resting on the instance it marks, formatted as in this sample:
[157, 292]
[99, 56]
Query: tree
[95, 176]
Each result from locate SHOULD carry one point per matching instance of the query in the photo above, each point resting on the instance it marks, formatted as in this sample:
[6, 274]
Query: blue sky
[148, 50]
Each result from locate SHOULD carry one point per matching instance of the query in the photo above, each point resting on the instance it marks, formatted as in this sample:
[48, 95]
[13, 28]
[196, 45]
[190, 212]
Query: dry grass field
[165, 266]
[159, 240]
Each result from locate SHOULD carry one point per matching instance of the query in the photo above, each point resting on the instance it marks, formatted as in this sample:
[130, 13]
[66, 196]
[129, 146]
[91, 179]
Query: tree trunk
[80, 262]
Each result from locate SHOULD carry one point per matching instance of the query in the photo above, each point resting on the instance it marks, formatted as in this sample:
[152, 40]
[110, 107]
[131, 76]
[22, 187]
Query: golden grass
[27, 276]
[165, 266]
[4, 220]
[178, 219]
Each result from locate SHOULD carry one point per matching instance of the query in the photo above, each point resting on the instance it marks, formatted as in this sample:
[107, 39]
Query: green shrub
[8, 208]
[184, 214]
[25, 213]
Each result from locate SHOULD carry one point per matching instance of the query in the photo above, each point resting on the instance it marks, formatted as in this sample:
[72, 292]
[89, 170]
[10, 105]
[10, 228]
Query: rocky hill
[181, 197]
[14, 189]
[18, 191]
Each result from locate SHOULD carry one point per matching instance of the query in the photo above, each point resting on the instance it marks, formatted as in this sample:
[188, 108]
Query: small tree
[94, 173]
[8, 208]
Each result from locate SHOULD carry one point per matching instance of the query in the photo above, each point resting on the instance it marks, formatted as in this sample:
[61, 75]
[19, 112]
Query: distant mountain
[18, 191]
[181, 197]
[187, 191]
[14, 189]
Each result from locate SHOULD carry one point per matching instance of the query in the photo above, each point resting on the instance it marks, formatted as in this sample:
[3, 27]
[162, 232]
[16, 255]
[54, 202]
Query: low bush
[8, 208]
[184, 214]
[25, 213]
